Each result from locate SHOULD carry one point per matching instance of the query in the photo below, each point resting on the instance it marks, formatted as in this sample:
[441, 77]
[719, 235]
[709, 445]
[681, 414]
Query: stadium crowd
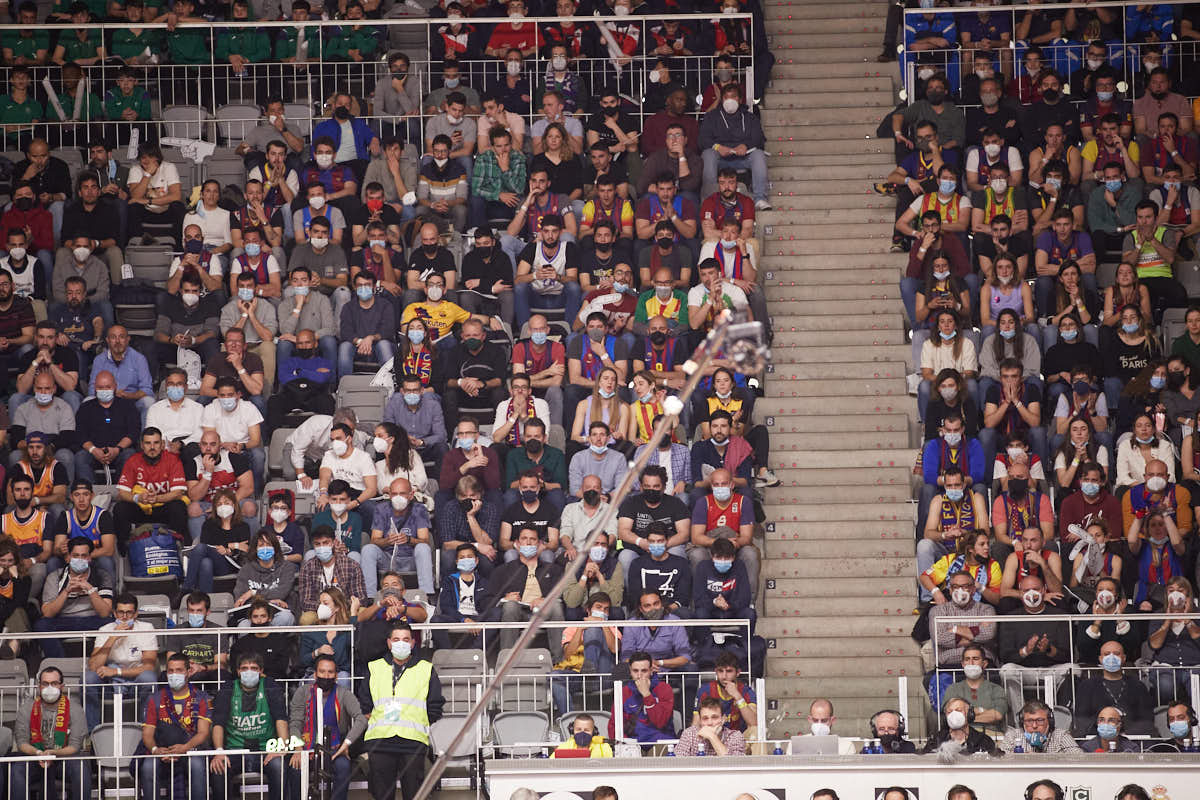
[511, 266]
[1051, 222]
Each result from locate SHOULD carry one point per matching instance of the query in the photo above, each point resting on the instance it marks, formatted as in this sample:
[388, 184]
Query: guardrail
[1065, 55]
[313, 82]
[1048, 687]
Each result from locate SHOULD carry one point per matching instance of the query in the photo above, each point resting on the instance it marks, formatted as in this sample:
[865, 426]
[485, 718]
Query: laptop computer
[815, 745]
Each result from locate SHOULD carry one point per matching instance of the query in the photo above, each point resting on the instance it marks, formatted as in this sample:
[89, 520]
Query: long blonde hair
[341, 609]
[613, 403]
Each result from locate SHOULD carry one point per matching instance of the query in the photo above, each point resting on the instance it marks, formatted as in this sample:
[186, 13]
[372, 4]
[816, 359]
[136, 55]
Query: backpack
[154, 552]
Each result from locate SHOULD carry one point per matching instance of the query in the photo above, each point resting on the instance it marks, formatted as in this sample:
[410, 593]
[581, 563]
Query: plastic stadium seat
[155, 609]
[275, 451]
[1188, 273]
[1173, 326]
[71, 669]
[460, 671]
[305, 503]
[104, 746]
[225, 168]
[526, 688]
[520, 727]
[301, 114]
[557, 437]
[14, 681]
[189, 122]
[151, 263]
[462, 757]
[1106, 275]
[236, 120]
[601, 719]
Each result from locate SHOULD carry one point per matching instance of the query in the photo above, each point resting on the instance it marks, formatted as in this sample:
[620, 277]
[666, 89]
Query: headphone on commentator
[901, 727]
[1051, 785]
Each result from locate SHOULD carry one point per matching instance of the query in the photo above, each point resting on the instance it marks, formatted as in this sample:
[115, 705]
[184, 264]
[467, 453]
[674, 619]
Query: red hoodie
[39, 222]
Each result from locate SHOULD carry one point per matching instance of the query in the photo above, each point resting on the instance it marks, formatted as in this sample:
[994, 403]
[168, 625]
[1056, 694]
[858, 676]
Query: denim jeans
[238, 765]
[381, 351]
[525, 298]
[187, 778]
[78, 780]
[755, 161]
[376, 560]
[598, 659]
[204, 564]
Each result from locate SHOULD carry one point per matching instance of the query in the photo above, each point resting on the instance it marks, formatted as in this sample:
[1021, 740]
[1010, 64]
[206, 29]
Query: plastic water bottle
[670, 750]
[876, 747]
[700, 751]
[778, 751]
[1019, 749]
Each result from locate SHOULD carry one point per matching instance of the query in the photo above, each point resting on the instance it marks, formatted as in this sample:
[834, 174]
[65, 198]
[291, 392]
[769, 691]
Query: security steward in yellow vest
[401, 697]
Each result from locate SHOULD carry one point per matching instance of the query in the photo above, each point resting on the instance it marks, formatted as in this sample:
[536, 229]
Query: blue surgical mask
[538, 337]
[1054, 183]
[300, 291]
[265, 553]
[105, 395]
[947, 336]
[620, 288]
[466, 442]
[228, 403]
[412, 398]
[1106, 730]
[401, 650]
[323, 552]
[1090, 488]
[1036, 739]
[607, 395]
[176, 680]
[196, 620]
[365, 293]
[175, 393]
[954, 495]
[1111, 662]
[528, 550]
[1104, 97]
[79, 565]
[466, 564]
[1068, 335]
[598, 554]
[249, 678]
[253, 249]
[598, 449]
[1129, 327]
[647, 397]
[1114, 185]
[245, 295]
[952, 438]
[722, 493]
[1008, 334]
[722, 566]
[416, 335]
[947, 187]
[1179, 728]
[656, 549]
[1157, 381]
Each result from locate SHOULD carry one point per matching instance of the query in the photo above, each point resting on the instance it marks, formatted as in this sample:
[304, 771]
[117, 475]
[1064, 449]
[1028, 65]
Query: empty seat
[113, 750]
[275, 451]
[235, 121]
[188, 122]
[520, 727]
[460, 672]
[1188, 273]
[462, 755]
[527, 686]
[150, 263]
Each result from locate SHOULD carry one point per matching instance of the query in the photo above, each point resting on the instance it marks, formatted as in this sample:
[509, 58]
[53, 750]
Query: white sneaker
[767, 478]
[762, 205]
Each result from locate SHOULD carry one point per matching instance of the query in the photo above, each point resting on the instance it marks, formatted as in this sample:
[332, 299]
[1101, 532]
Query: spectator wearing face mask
[1033, 734]
[987, 699]
[1032, 649]
[958, 715]
[963, 596]
[1093, 502]
[1157, 547]
[1113, 687]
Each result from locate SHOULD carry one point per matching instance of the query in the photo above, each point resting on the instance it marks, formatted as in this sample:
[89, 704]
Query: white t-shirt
[231, 426]
[184, 422]
[350, 468]
[235, 268]
[128, 650]
[734, 297]
[213, 222]
[416, 474]
[1013, 157]
[166, 176]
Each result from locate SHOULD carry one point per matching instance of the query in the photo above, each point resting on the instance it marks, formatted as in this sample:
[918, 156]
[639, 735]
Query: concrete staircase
[839, 576]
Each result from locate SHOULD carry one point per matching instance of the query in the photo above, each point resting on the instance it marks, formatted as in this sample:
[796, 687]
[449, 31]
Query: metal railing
[1049, 688]
[311, 83]
[1065, 55]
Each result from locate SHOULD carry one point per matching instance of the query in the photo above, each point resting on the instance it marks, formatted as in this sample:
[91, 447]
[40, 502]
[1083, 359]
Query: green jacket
[342, 40]
[285, 42]
[188, 46]
[127, 44]
[93, 109]
[26, 46]
[253, 45]
[74, 49]
[115, 103]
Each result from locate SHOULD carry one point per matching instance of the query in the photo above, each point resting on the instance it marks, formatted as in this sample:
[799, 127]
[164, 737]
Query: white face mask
[960, 597]
[399, 502]
[324, 613]
[318, 242]
[992, 150]
[338, 508]
[225, 511]
[972, 671]
[956, 720]
[559, 63]
[339, 447]
[380, 444]
[50, 694]
[1095, 63]
[821, 729]
[1156, 483]
[279, 514]
[16, 253]
[1032, 598]
[317, 201]
[324, 160]
[190, 298]
[730, 105]
[513, 67]
[435, 293]
[999, 185]
[441, 162]
[81, 254]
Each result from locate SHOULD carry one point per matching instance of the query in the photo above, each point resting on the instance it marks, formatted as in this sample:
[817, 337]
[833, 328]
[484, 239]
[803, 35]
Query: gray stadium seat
[151, 263]
[526, 688]
[520, 727]
[1188, 273]
[459, 670]
[189, 122]
[601, 719]
[235, 120]
[462, 757]
[275, 451]
[1106, 275]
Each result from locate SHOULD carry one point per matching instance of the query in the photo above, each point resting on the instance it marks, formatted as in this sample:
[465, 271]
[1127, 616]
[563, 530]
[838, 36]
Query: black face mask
[326, 685]
[582, 739]
[534, 446]
[658, 338]
[465, 505]
[306, 352]
[429, 249]
[935, 98]
[665, 244]
[1051, 95]
[474, 345]
[603, 247]
[1175, 379]
[1018, 488]
[485, 251]
[890, 742]
[400, 74]
[592, 497]
[23, 203]
[341, 113]
[529, 496]
[612, 112]
[653, 496]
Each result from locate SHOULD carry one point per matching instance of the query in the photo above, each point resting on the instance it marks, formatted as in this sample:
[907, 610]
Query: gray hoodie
[276, 582]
